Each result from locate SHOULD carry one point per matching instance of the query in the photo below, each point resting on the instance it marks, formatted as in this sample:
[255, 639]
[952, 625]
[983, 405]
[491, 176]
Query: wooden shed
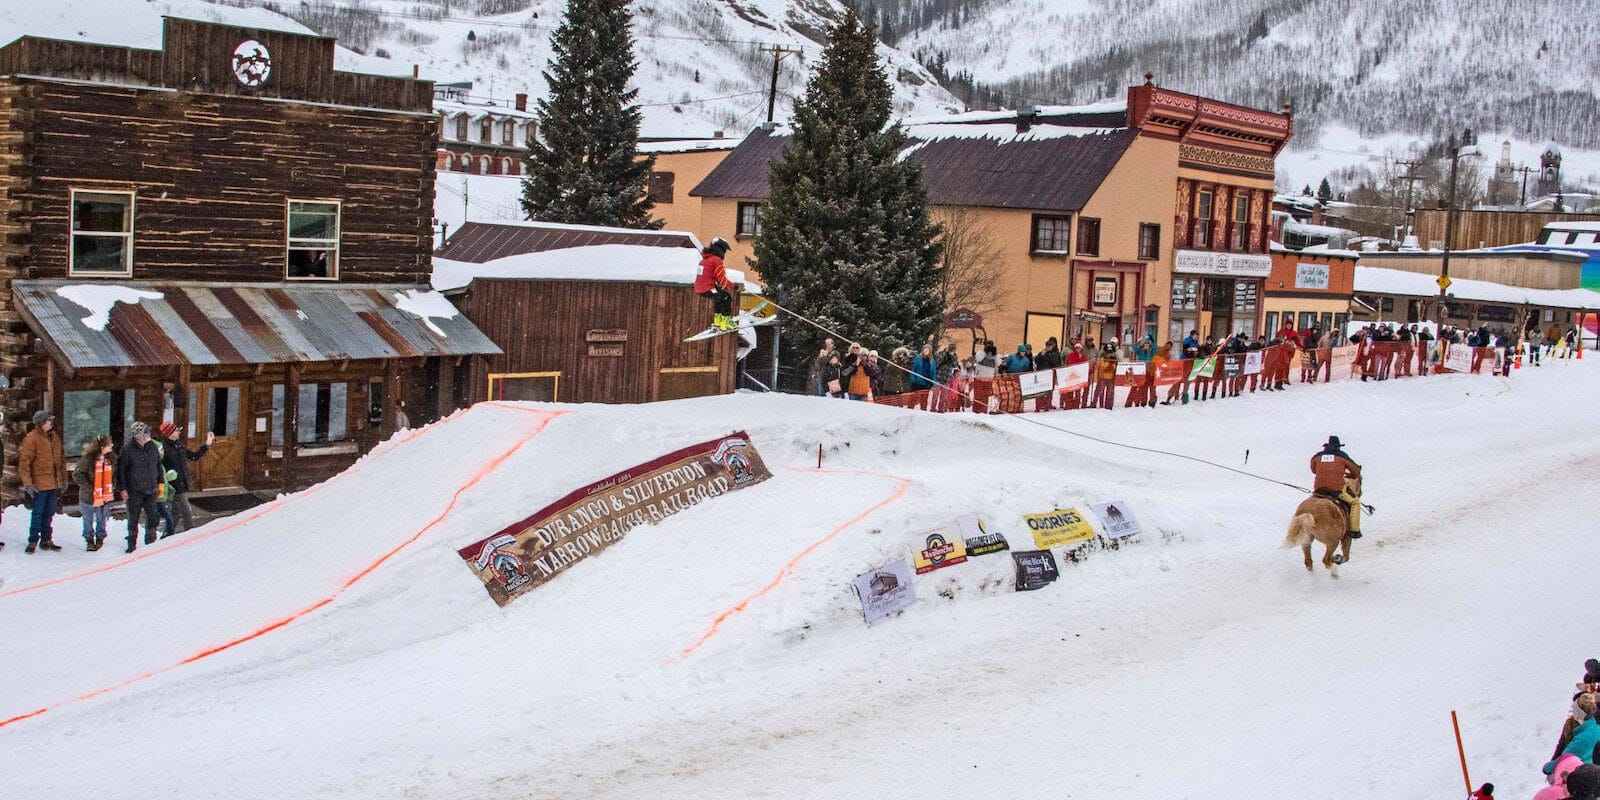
[585, 314]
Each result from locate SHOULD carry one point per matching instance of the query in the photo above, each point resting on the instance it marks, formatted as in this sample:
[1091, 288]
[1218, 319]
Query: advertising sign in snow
[1342, 362]
[1073, 378]
[1232, 365]
[1458, 358]
[1036, 383]
[525, 555]
[1035, 569]
[886, 590]
[1116, 521]
[1062, 526]
[938, 548]
[980, 541]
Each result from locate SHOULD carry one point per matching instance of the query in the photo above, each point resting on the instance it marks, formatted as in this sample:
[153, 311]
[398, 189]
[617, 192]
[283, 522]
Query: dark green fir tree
[584, 167]
[845, 236]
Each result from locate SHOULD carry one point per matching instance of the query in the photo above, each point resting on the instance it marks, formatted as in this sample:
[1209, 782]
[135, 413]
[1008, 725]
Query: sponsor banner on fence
[1458, 358]
[1035, 569]
[980, 541]
[1232, 365]
[1116, 521]
[1063, 526]
[523, 556]
[886, 590]
[1036, 383]
[1073, 378]
[1169, 372]
[1204, 367]
[1342, 362]
[1252, 363]
[1131, 373]
[938, 548]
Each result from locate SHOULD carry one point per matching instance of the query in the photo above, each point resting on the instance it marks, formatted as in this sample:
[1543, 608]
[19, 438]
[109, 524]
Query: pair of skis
[740, 322]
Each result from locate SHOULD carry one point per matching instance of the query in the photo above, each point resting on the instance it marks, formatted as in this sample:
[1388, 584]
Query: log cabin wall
[570, 327]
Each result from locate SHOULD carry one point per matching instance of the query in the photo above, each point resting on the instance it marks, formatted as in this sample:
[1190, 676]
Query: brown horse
[1320, 518]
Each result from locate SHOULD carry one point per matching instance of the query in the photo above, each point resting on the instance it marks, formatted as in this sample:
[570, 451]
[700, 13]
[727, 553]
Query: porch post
[291, 425]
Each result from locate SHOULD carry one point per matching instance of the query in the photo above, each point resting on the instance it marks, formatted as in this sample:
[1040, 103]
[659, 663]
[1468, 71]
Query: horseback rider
[1330, 467]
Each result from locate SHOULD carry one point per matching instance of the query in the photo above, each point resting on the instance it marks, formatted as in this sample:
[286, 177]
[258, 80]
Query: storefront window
[321, 415]
[1244, 297]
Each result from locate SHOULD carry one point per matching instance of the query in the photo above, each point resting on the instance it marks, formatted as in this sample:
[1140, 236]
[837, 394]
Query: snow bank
[99, 298]
[1195, 663]
[603, 262]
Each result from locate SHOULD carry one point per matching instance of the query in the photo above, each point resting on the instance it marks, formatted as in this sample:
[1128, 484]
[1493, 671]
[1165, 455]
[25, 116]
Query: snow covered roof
[604, 262]
[1379, 280]
[479, 110]
[1104, 107]
[480, 242]
[689, 145]
[1307, 229]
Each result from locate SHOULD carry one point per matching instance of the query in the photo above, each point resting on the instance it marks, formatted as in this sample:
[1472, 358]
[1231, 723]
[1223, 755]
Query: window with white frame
[508, 132]
[749, 222]
[313, 239]
[102, 233]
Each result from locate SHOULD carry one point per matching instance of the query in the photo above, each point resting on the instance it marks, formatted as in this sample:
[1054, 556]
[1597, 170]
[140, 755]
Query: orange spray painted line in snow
[545, 418]
[739, 607]
[202, 535]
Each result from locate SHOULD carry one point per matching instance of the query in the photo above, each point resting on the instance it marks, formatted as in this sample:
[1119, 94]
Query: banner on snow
[1116, 521]
[1232, 365]
[937, 548]
[980, 542]
[1035, 569]
[523, 556]
[1036, 383]
[1342, 362]
[1169, 372]
[886, 590]
[1073, 378]
[1458, 358]
[1063, 526]
[1252, 363]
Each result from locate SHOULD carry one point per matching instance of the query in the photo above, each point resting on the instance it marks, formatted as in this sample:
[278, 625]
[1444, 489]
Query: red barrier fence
[1107, 384]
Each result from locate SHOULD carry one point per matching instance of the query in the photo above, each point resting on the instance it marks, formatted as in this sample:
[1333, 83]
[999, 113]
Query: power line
[699, 100]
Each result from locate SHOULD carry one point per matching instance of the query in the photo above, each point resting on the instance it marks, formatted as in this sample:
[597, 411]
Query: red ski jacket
[712, 274]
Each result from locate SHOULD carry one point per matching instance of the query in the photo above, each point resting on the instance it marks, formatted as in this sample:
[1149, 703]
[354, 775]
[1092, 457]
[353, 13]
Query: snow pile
[1419, 284]
[601, 262]
[427, 305]
[99, 298]
[1196, 662]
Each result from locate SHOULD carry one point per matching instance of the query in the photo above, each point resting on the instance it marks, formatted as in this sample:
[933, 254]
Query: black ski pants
[721, 301]
[145, 504]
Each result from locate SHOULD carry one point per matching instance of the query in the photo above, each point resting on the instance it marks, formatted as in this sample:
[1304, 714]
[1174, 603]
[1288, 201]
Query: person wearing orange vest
[94, 476]
[713, 282]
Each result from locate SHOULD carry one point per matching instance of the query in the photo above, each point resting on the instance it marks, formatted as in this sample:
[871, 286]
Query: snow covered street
[1202, 661]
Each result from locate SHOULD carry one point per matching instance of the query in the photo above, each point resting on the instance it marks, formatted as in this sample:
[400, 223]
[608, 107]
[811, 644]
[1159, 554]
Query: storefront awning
[143, 324]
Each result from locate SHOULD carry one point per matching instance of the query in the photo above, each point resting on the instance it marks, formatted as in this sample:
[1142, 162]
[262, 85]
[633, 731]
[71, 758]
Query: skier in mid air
[713, 282]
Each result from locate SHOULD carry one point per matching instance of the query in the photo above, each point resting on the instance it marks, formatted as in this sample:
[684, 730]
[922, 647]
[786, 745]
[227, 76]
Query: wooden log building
[585, 314]
[226, 233]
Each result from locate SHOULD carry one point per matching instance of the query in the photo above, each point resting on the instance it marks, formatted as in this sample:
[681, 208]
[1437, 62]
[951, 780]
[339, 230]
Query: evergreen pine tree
[1324, 191]
[845, 236]
[584, 167]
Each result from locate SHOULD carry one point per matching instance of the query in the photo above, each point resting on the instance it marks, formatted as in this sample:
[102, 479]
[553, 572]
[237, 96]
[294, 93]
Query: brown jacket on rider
[1330, 470]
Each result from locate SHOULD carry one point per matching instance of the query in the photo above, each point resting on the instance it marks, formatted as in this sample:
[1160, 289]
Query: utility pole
[1411, 179]
[778, 51]
[466, 195]
[1456, 146]
[1522, 199]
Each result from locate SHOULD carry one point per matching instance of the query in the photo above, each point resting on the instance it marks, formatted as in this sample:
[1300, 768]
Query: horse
[1321, 518]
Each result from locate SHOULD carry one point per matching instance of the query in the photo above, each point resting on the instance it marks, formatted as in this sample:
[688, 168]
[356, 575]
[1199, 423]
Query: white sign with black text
[1116, 521]
[1310, 276]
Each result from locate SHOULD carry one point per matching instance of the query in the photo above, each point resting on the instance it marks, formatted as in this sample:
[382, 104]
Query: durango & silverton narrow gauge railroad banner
[523, 556]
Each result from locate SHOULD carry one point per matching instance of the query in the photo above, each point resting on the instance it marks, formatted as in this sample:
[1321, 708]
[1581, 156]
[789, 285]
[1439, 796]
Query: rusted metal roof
[478, 242]
[1039, 170]
[246, 323]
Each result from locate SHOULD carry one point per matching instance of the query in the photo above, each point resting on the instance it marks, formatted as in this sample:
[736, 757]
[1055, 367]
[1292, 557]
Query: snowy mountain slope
[1201, 662]
[1379, 66]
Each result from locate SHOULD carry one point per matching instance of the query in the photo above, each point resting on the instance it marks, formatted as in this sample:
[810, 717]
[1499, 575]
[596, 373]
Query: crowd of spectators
[1571, 771]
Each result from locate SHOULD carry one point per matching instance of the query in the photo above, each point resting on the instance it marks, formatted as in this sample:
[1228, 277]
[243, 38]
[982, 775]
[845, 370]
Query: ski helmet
[719, 246]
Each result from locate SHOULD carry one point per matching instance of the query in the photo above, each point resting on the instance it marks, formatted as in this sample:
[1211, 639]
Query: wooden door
[215, 408]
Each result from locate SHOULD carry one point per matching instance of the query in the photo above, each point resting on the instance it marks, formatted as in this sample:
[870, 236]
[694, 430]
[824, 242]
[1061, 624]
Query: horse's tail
[1302, 529]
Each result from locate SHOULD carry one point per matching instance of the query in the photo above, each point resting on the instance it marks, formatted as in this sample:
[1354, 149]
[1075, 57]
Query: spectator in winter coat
[95, 483]
[1584, 783]
[896, 377]
[138, 477]
[1049, 357]
[1287, 333]
[1191, 345]
[1559, 770]
[175, 458]
[1145, 349]
[833, 376]
[986, 363]
[1018, 362]
[924, 370]
[947, 362]
[874, 369]
[1583, 741]
[41, 468]
[1077, 355]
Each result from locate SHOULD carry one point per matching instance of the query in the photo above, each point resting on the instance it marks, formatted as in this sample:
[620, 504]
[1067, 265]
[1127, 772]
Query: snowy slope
[1201, 662]
[1379, 66]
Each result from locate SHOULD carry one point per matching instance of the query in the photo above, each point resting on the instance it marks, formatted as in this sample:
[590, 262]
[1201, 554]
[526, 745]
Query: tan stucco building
[1087, 213]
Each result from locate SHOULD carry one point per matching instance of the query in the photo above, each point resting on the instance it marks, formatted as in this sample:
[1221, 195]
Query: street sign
[1444, 282]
